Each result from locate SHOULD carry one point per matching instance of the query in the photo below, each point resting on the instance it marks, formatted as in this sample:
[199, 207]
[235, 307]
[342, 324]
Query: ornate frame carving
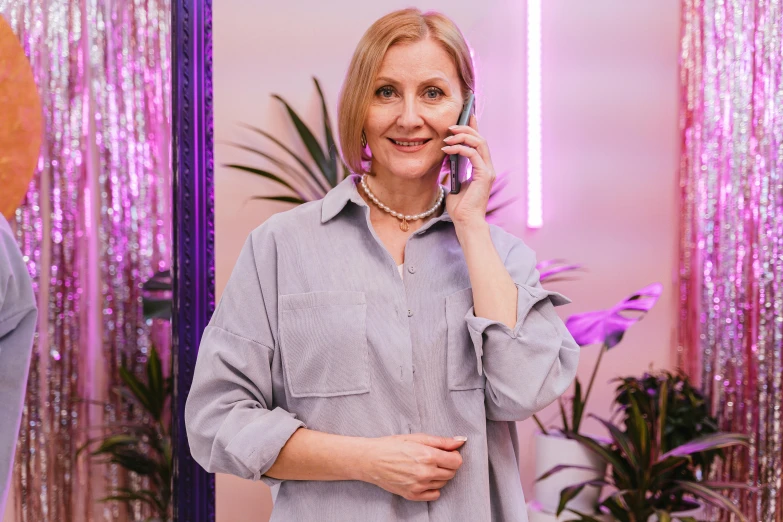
[194, 236]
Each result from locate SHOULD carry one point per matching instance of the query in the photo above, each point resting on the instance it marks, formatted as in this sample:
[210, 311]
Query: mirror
[300, 52]
[244, 80]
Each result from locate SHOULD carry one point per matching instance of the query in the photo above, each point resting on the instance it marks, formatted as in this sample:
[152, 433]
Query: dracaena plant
[644, 475]
[687, 412]
[309, 177]
[605, 327]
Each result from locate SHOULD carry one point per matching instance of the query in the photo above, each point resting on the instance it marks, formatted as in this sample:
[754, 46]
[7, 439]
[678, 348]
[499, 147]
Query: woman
[368, 394]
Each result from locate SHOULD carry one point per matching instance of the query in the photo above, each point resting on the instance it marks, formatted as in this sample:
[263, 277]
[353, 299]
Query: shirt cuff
[527, 297]
[259, 443]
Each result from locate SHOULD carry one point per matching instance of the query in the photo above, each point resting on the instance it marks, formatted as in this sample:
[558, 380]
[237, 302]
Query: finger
[429, 495]
[449, 460]
[477, 142]
[442, 474]
[437, 484]
[435, 441]
[456, 129]
[469, 152]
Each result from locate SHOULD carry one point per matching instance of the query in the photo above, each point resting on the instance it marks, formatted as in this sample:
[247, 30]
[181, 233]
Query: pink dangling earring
[364, 140]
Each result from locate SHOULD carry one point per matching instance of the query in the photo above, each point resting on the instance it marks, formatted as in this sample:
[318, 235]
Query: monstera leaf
[604, 326]
[609, 326]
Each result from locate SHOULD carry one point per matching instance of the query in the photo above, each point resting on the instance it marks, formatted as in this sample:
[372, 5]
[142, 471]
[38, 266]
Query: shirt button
[411, 269]
[410, 313]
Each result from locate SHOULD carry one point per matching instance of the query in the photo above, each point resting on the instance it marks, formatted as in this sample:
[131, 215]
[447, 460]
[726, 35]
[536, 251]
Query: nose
[409, 116]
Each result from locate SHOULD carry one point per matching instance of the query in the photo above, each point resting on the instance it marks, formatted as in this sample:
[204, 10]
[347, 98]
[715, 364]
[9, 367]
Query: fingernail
[446, 147]
[460, 437]
[453, 126]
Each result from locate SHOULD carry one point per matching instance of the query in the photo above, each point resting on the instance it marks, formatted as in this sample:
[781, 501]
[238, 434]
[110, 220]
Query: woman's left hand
[470, 205]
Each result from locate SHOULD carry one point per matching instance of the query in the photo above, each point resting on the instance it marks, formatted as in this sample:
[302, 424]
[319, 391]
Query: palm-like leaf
[311, 143]
[331, 146]
[282, 199]
[316, 176]
[268, 175]
[140, 392]
[329, 169]
[293, 173]
[143, 448]
[155, 383]
[551, 269]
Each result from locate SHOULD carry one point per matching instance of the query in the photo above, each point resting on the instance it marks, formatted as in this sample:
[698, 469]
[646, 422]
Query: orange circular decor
[21, 124]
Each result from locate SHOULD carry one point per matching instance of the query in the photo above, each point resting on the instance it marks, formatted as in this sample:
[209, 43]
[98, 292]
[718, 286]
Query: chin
[414, 170]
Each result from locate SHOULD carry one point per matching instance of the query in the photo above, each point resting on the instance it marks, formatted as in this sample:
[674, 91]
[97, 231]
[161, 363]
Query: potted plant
[143, 447]
[553, 447]
[651, 474]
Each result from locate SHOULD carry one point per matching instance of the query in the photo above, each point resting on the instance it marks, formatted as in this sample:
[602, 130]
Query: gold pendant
[404, 225]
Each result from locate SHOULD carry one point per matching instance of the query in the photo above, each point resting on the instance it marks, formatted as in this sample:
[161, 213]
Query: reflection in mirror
[94, 229]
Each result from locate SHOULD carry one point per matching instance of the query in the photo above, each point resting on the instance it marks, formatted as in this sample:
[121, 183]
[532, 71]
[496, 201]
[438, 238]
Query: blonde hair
[403, 26]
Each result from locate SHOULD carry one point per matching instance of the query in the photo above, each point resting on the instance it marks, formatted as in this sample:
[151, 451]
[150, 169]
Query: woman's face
[416, 97]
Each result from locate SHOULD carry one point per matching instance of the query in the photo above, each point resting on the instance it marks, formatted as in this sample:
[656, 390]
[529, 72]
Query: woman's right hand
[413, 466]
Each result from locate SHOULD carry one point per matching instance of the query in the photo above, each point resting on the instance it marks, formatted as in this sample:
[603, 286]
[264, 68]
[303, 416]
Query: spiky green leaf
[283, 199]
[331, 146]
[711, 497]
[311, 143]
[268, 175]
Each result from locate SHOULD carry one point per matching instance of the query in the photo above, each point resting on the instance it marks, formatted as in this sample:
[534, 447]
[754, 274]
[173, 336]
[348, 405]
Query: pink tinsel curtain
[731, 255]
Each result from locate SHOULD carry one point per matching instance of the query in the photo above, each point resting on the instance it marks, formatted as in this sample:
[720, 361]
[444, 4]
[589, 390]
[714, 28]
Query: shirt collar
[338, 197]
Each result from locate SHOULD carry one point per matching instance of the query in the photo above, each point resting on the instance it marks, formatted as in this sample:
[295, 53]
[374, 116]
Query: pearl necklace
[402, 217]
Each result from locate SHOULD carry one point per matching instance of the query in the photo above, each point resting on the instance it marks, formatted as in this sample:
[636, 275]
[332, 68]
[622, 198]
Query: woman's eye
[433, 93]
[385, 92]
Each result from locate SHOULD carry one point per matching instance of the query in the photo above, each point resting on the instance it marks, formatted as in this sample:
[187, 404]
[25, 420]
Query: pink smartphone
[459, 163]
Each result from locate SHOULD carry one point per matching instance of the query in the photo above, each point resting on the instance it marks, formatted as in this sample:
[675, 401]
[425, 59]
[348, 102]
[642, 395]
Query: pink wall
[611, 144]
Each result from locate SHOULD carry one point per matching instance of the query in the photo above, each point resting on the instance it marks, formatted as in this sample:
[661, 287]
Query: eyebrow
[428, 80]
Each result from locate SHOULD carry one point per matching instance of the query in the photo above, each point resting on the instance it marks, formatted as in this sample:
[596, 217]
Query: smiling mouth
[415, 143]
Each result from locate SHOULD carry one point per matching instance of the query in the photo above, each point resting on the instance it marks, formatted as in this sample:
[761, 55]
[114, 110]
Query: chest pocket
[323, 343]
[462, 361]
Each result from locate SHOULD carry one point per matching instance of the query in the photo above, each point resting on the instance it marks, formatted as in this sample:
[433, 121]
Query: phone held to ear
[459, 164]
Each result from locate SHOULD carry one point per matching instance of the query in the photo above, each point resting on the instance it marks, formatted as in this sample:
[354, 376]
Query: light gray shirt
[317, 329]
[18, 315]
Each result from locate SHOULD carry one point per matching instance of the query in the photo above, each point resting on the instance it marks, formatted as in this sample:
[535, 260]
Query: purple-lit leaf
[552, 267]
[561, 467]
[609, 326]
[711, 497]
[707, 443]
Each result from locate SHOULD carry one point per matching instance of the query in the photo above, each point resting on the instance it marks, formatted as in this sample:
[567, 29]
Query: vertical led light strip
[535, 218]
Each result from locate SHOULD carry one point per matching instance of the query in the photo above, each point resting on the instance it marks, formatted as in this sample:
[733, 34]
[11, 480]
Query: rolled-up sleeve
[18, 319]
[232, 424]
[529, 366]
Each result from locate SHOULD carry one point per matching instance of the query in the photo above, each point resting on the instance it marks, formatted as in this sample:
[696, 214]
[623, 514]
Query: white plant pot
[553, 450]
